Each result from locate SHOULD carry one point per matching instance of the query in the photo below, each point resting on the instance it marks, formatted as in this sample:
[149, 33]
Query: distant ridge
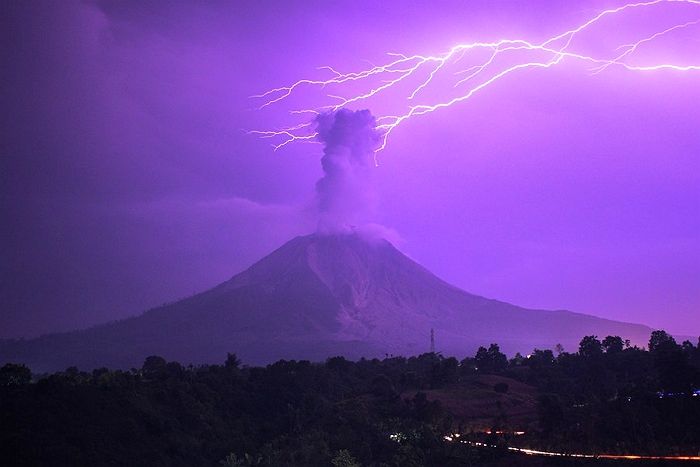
[318, 296]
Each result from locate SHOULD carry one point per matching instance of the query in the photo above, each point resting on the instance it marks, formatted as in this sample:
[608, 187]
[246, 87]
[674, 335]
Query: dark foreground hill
[315, 297]
[422, 411]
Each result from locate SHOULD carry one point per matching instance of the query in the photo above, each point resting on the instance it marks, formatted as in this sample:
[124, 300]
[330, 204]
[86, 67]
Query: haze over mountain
[318, 296]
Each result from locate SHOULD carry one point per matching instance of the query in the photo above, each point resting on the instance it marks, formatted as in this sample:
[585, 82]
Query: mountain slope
[318, 296]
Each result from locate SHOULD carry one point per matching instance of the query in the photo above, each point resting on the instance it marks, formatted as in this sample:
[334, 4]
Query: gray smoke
[345, 193]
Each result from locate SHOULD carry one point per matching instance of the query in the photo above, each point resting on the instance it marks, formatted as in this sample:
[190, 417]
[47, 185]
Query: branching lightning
[420, 72]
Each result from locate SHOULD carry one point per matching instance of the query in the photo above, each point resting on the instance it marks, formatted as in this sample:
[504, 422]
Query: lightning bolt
[406, 69]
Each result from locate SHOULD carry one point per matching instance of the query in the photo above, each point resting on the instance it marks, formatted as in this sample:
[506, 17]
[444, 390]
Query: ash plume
[345, 194]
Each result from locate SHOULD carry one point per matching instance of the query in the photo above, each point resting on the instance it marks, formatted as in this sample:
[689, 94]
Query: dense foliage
[610, 397]
[607, 397]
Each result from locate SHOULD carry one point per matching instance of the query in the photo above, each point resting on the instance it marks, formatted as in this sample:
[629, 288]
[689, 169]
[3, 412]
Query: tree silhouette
[590, 347]
[491, 359]
[613, 344]
[14, 375]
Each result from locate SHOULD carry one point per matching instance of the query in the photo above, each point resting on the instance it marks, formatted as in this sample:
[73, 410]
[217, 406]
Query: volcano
[315, 297]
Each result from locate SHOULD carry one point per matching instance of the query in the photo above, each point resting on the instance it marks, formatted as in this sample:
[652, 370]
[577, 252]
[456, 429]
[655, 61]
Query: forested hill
[393, 412]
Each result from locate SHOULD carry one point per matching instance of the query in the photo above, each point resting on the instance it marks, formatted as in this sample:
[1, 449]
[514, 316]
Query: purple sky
[127, 180]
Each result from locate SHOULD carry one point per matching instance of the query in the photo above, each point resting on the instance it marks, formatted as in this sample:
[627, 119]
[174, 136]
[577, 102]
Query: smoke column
[345, 193]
